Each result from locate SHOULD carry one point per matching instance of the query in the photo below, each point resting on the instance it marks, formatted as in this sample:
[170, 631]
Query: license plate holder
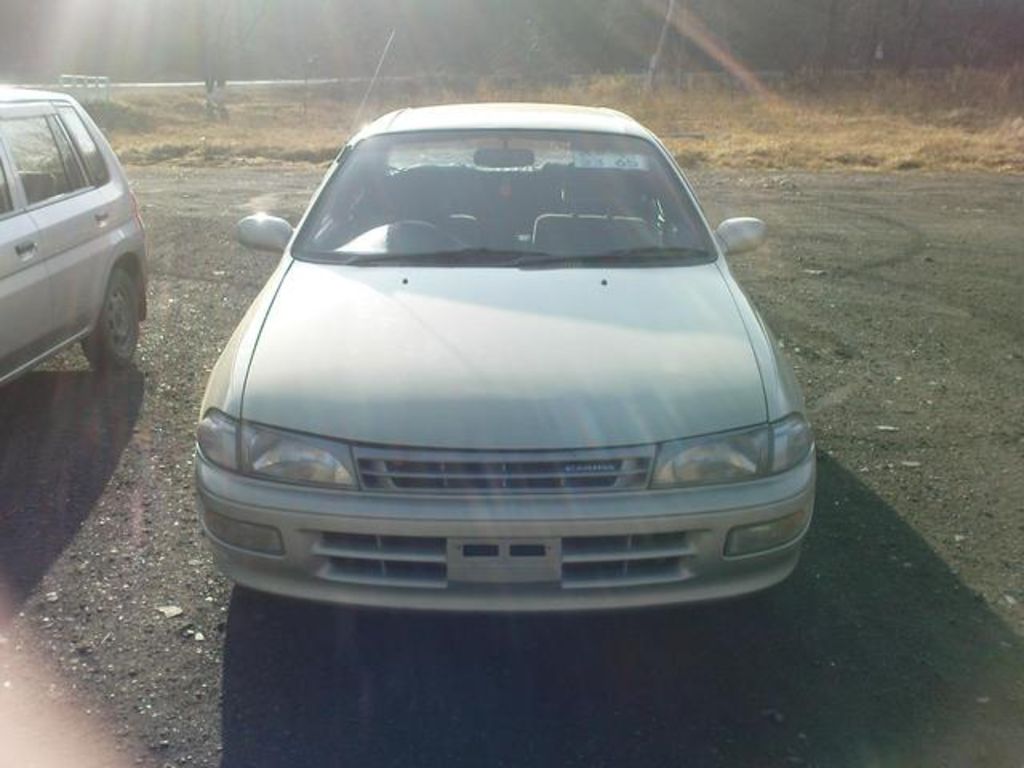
[499, 560]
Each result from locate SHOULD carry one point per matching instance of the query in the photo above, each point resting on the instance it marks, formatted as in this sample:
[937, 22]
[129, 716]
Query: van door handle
[101, 217]
[26, 248]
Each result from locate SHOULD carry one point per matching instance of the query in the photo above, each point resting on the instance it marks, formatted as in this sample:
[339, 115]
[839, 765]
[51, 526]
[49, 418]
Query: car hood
[503, 358]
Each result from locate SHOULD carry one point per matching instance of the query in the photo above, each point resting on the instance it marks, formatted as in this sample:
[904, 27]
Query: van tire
[112, 343]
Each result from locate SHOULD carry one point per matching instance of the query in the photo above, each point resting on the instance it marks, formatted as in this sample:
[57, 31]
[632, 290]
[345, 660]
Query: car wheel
[112, 342]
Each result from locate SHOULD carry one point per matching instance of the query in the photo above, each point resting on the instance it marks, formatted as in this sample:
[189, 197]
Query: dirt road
[899, 641]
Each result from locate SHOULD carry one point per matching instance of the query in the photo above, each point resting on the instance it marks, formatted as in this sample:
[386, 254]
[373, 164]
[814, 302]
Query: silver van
[72, 244]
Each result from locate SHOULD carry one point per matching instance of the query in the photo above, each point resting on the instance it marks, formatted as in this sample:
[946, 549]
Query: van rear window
[95, 166]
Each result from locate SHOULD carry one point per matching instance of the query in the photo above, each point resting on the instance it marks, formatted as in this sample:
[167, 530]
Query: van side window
[36, 157]
[95, 166]
[6, 206]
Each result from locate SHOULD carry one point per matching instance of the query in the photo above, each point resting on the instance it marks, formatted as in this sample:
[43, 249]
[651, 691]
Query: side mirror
[264, 233]
[741, 235]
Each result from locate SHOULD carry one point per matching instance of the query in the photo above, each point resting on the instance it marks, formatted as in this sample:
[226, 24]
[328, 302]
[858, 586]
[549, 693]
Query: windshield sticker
[620, 160]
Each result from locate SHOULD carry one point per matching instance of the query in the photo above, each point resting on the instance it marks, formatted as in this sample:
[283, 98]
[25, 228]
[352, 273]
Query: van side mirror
[741, 235]
[264, 233]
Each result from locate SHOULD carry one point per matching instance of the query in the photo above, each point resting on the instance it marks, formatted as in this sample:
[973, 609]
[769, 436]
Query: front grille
[395, 561]
[590, 562]
[503, 472]
[579, 562]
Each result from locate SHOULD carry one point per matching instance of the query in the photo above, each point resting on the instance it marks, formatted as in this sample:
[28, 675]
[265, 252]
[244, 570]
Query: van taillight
[135, 208]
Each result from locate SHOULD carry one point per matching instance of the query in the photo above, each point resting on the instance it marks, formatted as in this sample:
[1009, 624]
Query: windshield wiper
[654, 256]
[492, 257]
[463, 257]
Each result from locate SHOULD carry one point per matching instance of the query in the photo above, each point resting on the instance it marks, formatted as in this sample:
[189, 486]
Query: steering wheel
[416, 236]
[409, 236]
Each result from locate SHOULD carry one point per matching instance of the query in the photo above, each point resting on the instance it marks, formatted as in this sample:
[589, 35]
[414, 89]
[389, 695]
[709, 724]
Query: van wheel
[112, 342]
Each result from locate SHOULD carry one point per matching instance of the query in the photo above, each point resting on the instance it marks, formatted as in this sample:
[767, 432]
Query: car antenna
[373, 80]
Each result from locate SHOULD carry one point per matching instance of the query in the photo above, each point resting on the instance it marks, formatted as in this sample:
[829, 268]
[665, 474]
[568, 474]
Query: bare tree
[659, 51]
[912, 14]
[831, 52]
[875, 46]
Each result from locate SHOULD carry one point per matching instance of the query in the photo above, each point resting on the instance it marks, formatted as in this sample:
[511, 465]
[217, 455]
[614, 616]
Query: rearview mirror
[741, 235]
[492, 157]
[264, 233]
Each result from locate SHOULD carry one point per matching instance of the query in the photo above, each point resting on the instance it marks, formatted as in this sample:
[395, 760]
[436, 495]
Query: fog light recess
[750, 539]
[249, 536]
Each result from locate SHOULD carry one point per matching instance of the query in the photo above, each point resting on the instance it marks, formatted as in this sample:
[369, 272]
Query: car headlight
[792, 438]
[217, 437]
[731, 457]
[274, 453]
[295, 458]
[721, 458]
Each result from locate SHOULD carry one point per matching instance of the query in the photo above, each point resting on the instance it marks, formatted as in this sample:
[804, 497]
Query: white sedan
[503, 365]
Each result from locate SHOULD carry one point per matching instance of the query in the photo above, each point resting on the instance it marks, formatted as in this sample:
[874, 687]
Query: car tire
[112, 343]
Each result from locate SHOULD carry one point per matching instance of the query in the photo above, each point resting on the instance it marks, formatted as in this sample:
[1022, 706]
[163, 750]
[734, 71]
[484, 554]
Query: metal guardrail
[99, 88]
[86, 87]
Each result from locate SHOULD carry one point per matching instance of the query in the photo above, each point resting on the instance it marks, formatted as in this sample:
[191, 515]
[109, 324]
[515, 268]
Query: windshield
[492, 196]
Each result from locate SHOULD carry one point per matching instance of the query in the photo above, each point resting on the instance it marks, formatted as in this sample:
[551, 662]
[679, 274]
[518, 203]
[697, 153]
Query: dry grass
[962, 121]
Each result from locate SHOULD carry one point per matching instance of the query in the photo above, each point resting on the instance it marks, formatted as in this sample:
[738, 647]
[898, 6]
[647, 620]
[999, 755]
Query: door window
[37, 158]
[95, 166]
[68, 156]
[6, 206]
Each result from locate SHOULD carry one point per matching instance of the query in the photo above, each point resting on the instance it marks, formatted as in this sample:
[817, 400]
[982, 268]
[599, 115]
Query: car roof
[13, 95]
[505, 116]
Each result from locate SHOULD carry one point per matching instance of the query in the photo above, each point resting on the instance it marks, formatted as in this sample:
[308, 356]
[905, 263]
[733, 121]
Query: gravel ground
[899, 641]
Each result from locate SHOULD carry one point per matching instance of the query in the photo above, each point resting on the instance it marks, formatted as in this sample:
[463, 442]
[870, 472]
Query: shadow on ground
[61, 437]
[872, 654]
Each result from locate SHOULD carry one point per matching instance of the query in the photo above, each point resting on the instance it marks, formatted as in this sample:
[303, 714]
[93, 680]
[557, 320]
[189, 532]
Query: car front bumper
[501, 553]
